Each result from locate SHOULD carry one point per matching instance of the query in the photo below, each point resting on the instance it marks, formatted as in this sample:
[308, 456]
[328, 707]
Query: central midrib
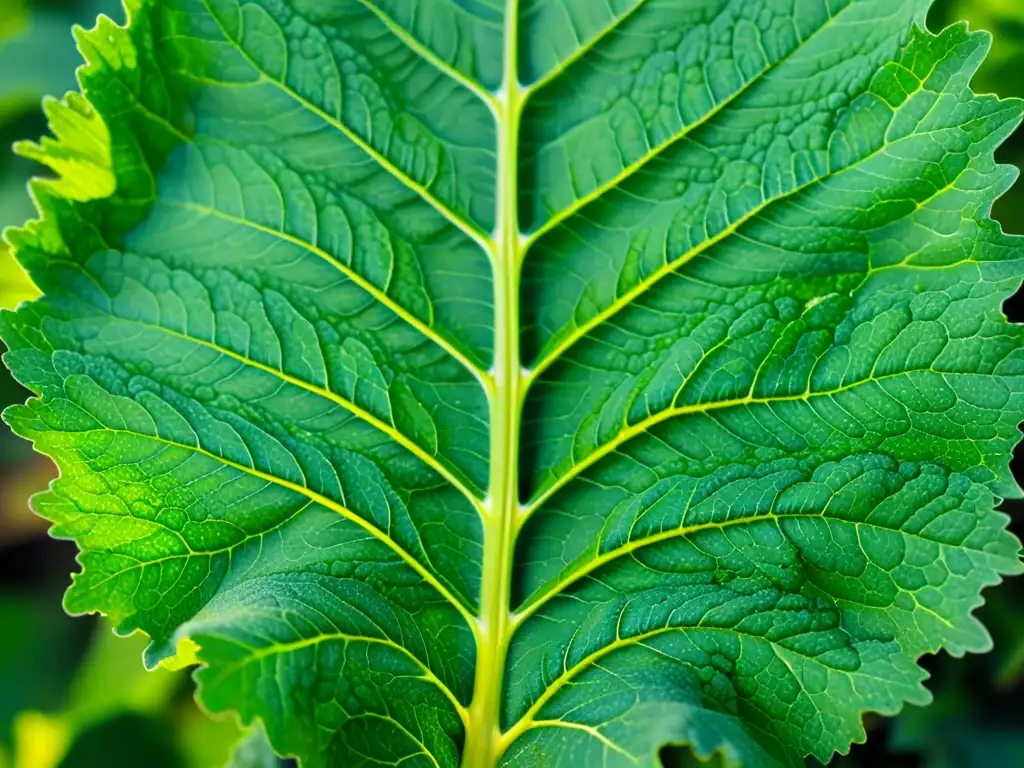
[494, 626]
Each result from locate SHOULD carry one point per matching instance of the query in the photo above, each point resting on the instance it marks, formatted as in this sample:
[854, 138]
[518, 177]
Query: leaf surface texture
[529, 384]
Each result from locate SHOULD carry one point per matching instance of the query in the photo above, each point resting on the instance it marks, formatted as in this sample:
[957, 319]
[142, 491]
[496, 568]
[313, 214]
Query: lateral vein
[644, 425]
[621, 302]
[365, 416]
[323, 501]
[658, 149]
[588, 729]
[282, 648]
[425, 53]
[466, 227]
[527, 721]
[538, 601]
[583, 50]
[356, 278]
[645, 284]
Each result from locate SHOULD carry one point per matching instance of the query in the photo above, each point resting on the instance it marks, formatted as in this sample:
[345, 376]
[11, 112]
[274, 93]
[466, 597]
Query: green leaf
[1000, 74]
[254, 751]
[530, 386]
[1004, 18]
[37, 57]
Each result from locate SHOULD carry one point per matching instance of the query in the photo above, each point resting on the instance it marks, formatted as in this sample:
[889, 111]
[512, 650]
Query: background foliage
[74, 696]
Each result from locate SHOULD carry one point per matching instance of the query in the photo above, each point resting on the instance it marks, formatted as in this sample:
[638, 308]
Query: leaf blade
[280, 367]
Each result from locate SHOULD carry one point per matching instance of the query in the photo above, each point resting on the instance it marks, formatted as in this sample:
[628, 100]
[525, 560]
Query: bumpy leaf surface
[531, 384]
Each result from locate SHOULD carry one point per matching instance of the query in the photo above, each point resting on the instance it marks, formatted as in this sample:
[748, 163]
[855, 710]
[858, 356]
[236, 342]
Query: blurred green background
[72, 695]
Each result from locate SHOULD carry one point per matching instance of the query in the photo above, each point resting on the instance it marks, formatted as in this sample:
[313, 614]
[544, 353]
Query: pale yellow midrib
[483, 742]
[507, 381]
[504, 251]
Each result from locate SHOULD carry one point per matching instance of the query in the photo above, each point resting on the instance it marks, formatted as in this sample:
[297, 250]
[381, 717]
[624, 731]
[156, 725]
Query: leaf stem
[494, 628]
